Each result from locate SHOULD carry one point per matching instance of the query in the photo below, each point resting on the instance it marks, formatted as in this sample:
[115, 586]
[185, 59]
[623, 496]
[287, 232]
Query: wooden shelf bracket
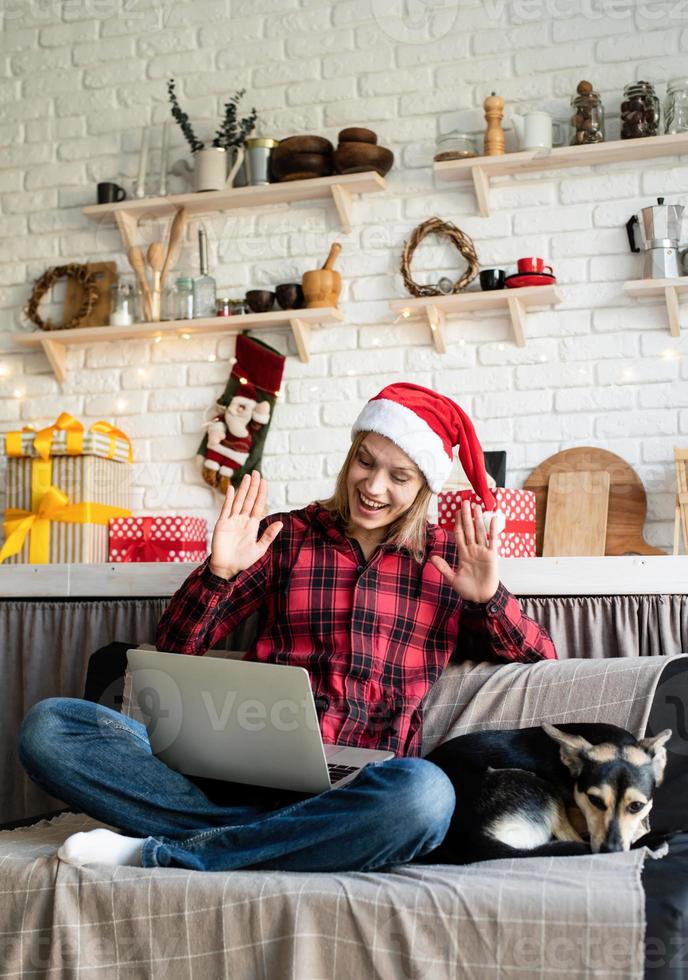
[518, 320]
[672, 306]
[57, 356]
[342, 201]
[302, 337]
[481, 183]
[436, 323]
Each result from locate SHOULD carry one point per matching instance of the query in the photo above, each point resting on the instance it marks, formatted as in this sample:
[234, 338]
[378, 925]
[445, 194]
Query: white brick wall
[81, 80]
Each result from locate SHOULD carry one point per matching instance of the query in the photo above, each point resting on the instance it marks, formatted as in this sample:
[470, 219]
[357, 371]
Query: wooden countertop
[628, 575]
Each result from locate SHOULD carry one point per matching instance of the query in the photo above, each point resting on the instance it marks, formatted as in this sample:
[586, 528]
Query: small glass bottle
[588, 116]
[183, 299]
[124, 305]
[224, 306]
[639, 111]
[676, 106]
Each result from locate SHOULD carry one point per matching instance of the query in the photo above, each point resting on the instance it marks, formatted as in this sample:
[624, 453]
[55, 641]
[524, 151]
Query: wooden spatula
[156, 258]
[136, 261]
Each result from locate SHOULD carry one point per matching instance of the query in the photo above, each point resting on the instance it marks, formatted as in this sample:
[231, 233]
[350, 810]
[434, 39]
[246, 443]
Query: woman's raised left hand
[477, 577]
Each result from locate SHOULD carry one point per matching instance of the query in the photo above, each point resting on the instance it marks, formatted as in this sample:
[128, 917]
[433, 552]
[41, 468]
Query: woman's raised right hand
[235, 545]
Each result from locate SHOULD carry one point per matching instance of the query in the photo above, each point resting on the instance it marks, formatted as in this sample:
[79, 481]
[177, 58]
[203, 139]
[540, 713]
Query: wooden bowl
[357, 134]
[260, 300]
[321, 288]
[301, 166]
[353, 158]
[303, 144]
[289, 295]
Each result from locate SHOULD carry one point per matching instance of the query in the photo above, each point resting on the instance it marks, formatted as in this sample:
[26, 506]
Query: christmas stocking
[236, 435]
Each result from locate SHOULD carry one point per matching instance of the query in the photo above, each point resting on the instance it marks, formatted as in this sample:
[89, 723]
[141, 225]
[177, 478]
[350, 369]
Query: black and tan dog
[546, 791]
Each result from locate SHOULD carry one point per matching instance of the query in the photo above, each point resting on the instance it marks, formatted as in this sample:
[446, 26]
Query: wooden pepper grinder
[495, 142]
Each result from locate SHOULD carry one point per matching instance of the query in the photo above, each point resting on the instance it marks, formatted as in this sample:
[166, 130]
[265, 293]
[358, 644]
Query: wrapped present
[517, 540]
[171, 538]
[63, 486]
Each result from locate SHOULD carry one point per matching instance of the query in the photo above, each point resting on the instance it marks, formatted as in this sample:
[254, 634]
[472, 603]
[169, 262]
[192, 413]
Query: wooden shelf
[513, 301]
[481, 169]
[669, 289]
[300, 322]
[340, 187]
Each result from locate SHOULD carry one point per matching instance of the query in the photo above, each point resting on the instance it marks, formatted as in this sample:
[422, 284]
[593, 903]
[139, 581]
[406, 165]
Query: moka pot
[660, 231]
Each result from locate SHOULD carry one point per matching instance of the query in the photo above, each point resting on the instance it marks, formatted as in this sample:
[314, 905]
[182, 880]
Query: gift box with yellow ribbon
[64, 483]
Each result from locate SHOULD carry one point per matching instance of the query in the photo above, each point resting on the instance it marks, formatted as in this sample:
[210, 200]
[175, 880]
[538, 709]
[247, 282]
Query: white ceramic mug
[534, 130]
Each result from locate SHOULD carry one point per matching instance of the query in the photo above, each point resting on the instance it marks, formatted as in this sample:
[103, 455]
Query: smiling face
[381, 484]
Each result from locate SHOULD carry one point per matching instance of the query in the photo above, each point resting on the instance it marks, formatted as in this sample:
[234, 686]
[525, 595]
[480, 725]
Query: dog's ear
[655, 749]
[572, 748]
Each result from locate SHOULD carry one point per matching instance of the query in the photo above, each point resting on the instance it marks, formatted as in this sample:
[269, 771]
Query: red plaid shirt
[374, 636]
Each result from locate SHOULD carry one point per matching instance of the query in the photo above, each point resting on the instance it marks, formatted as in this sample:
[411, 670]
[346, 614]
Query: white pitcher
[534, 130]
[210, 168]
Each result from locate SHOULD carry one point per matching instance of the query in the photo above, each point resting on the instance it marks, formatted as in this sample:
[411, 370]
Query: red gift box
[517, 540]
[158, 539]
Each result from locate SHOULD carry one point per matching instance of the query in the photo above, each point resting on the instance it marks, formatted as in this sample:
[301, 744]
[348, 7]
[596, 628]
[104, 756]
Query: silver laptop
[239, 720]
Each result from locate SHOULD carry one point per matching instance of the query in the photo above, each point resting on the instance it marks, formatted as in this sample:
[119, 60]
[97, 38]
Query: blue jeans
[101, 763]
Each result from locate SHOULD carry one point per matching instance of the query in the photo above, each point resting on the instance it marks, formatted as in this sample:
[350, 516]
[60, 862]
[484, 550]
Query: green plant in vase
[210, 162]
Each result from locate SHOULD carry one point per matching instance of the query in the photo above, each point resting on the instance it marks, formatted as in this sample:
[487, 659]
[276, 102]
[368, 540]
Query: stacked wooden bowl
[301, 158]
[358, 152]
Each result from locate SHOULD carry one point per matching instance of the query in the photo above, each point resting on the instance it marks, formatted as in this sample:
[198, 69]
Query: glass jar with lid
[639, 111]
[676, 106]
[182, 300]
[125, 304]
[456, 146]
[587, 121]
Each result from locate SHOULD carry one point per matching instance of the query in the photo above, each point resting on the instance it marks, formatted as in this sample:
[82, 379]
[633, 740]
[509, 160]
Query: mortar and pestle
[321, 287]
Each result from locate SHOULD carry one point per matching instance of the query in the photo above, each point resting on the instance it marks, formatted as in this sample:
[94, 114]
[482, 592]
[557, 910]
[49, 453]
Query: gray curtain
[45, 648]
[613, 626]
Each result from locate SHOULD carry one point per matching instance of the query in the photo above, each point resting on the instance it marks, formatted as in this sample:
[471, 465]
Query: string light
[4, 370]
[671, 354]
[243, 381]
[186, 336]
[211, 357]
[158, 338]
[19, 392]
[121, 404]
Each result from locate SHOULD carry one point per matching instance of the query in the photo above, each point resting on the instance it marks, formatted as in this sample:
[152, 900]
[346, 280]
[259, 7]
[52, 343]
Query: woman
[365, 594]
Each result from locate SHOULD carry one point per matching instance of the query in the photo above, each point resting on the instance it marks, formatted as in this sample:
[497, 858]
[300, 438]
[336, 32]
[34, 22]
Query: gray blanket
[573, 917]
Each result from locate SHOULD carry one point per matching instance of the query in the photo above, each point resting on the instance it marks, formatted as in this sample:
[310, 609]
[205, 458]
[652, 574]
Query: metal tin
[257, 160]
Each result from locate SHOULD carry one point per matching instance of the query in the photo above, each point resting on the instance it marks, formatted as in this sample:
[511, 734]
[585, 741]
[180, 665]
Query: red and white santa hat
[426, 426]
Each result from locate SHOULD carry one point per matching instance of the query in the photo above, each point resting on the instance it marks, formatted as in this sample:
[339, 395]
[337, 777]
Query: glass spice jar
[676, 106]
[183, 299]
[456, 146]
[588, 116]
[639, 111]
[224, 306]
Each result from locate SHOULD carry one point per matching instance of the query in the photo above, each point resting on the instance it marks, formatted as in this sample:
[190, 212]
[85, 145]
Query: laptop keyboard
[339, 772]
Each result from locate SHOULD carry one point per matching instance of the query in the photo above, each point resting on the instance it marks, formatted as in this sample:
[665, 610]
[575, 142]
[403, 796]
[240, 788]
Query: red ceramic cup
[531, 264]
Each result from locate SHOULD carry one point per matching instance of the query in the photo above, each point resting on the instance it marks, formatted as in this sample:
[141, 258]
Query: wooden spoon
[138, 264]
[156, 258]
[331, 258]
[176, 234]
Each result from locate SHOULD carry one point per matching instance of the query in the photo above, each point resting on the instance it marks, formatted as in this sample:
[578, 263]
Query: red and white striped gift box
[517, 540]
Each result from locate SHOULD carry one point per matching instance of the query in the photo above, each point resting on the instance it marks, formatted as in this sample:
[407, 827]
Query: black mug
[109, 193]
[492, 279]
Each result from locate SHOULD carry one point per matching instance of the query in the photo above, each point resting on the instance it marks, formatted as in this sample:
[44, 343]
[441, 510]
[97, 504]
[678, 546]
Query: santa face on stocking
[230, 437]
[236, 434]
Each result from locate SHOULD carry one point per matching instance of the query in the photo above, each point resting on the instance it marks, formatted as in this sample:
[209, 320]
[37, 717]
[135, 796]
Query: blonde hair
[410, 528]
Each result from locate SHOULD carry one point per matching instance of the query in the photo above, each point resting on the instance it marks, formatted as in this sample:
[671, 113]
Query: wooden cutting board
[627, 500]
[105, 274]
[576, 519]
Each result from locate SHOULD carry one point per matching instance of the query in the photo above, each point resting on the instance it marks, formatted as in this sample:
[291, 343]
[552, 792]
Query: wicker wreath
[74, 271]
[435, 226]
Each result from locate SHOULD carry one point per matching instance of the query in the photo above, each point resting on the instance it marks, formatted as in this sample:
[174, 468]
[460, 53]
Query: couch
[613, 915]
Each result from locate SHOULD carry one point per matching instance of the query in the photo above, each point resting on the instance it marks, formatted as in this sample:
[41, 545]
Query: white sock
[101, 847]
